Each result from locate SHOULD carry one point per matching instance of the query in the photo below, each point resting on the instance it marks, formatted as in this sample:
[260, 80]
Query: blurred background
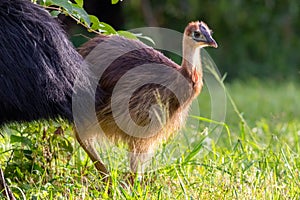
[256, 38]
[257, 153]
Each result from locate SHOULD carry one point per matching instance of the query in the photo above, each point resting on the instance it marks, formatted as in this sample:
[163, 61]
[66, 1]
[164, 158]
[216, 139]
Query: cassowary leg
[140, 159]
[89, 146]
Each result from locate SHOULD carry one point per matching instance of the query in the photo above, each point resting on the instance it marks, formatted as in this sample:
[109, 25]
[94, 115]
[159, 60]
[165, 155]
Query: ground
[256, 156]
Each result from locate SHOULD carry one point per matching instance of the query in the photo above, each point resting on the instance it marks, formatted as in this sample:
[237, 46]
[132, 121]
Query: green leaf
[127, 34]
[62, 3]
[95, 23]
[101, 26]
[81, 14]
[55, 13]
[23, 140]
[79, 3]
[108, 29]
[114, 1]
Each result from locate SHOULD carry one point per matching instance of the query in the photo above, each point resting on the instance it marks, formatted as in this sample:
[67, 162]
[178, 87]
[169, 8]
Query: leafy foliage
[34, 147]
[77, 12]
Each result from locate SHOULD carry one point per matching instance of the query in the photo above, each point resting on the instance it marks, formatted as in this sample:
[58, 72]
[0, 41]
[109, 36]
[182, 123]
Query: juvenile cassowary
[142, 97]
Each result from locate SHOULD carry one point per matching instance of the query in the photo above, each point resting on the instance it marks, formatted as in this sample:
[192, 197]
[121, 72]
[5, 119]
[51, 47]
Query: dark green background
[256, 38]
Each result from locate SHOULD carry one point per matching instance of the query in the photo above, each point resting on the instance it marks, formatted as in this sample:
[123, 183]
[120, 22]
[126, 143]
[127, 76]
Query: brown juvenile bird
[142, 97]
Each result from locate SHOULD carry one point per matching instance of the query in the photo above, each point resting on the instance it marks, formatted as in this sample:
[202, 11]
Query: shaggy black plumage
[38, 65]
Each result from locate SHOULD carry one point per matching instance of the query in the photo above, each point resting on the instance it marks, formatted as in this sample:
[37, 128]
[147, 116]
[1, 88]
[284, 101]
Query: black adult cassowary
[40, 70]
[38, 65]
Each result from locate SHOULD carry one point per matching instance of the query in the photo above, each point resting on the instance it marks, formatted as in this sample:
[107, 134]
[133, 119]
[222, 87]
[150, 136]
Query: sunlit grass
[260, 163]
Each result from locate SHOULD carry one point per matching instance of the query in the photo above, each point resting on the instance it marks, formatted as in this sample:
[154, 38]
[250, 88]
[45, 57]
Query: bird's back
[38, 64]
[136, 79]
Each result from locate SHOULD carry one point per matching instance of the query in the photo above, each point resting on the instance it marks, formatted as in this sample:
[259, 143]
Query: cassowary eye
[198, 36]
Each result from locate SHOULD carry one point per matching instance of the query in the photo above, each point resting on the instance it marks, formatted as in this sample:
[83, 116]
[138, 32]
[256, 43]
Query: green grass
[259, 159]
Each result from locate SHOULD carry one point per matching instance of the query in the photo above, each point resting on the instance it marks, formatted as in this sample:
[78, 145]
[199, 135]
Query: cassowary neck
[191, 57]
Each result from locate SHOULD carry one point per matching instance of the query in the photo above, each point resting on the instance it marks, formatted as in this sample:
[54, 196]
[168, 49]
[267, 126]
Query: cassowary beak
[210, 40]
[213, 43]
